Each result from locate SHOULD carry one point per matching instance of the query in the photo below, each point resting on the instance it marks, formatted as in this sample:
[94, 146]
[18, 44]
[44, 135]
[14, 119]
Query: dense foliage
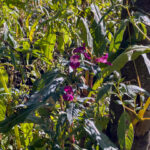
[60, 63]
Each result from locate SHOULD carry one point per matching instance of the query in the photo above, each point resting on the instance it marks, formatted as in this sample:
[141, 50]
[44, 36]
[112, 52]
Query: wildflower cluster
[75, 63]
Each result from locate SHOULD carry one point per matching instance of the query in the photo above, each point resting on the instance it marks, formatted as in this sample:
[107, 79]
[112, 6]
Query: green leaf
[115, 43]
[33, 28]
[26, 45]
[17, 3]
[85, 32]
[63, 38]
[61, 44]
[103, 91]
[2, 110]
[130, 53]
[147, 62]
[72, 112]
[98, 31]
[134, 90]
[144, 29]
[125, 132]
[27, 132]
[48, 94]
[12, 40]
[101, 139]
[137, 36]
[45, 79]
[3, 79]
[49, 44]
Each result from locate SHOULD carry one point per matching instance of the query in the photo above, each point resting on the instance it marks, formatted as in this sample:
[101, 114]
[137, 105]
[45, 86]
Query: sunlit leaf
[125, 132]
[115, 43]
[33, 28]
[27, 131]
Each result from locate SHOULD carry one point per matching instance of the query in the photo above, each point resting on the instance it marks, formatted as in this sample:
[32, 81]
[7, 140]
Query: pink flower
[74, 61]
[68, 95]
[103, 59]
[68, 89]
[80, 49]
[87, 56]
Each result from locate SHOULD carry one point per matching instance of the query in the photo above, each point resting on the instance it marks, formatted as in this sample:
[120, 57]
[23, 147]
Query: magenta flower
[80, 49]
[68, 95]
[87, 56]
[103, 59]
[68, 89]
[74, 61]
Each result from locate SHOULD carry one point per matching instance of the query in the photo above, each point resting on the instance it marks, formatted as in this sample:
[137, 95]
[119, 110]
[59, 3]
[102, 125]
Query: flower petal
[74, 61]
[74, 65]
[87, 56]
[74, 58]
[103, 59]
[80, 49]
[68, 97]
[68, 89]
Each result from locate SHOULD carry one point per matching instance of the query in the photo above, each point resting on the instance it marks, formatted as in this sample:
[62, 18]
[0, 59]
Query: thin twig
[137, 75]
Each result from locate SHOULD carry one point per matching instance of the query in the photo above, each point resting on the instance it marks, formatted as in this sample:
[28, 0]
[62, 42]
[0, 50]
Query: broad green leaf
[48, 94]
[130, 54]
[72, 112]
[147, 62]
[115, 43]
[63, 38]
[101, 139]
[85, 32]
[98, 31]
[125, 132]
[45, 79]
[49, 44]
[130, 137]
[134, 90]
